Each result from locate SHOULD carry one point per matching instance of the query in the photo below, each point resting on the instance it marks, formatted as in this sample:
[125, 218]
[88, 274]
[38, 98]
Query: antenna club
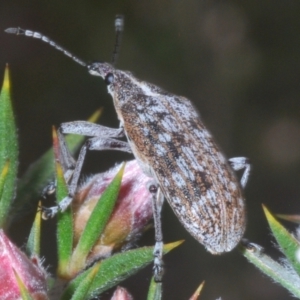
[119, 26]
[11, 30]
[119, 22]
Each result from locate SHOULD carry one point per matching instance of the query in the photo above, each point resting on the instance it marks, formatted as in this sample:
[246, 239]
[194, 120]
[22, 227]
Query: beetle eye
[109, 79]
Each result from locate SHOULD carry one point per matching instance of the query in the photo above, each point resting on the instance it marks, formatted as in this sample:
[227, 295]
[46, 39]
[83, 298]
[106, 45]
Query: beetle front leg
[72, 169]
[83, 128]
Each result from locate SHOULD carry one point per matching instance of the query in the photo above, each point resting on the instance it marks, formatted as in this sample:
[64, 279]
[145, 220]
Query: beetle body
[173, 146]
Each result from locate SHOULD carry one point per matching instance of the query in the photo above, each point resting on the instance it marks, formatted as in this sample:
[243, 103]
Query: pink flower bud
[121, 294]
[30, 272]
[131, 215]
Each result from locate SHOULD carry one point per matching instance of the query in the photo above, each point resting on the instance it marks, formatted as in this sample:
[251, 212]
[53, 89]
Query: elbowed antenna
[119, 27]
[37, 35]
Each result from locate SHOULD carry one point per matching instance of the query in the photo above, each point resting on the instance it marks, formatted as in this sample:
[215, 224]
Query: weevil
[171, 144]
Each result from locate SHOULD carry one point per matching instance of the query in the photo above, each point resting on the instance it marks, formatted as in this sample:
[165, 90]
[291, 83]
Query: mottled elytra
[170, 142]
[173, 146]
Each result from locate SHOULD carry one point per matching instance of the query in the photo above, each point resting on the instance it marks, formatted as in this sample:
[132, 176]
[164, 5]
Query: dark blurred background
[238, 61]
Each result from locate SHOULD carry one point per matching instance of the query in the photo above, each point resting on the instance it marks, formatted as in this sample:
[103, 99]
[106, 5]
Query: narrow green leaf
[64, 219]
[23, 290]
[155, 290]
[117, 268]
[8, 149]
[96, 223]
[39, 174]
[34, 240]
[84, 286]
[285, 276]
[287, 242]
[3, 177]
[64, 227]
[197, 293]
